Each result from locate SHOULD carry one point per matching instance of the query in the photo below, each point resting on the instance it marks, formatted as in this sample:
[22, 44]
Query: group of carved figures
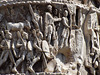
[22, 41]
[19, 41]
[18, 45]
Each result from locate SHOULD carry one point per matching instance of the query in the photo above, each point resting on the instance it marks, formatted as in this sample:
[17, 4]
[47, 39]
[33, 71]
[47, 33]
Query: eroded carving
[49, 36]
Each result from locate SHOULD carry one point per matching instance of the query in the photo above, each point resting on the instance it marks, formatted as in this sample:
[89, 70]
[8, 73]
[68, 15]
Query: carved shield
[45, 48]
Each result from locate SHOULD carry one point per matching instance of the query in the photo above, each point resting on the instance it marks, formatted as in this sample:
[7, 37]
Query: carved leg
[18, 62]
[49, 38]
[11, 57]
[62, 42]
[21, 59]
[2, 54]
[66, 40]
[32, 63]
[35, 60]
[4, 58]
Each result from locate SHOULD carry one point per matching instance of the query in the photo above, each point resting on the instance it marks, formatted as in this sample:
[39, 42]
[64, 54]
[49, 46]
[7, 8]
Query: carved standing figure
[22, 45]
[6, 47]
[49, 24]
[65, 32]
[30, 56]
[38, 36]
[72, 12]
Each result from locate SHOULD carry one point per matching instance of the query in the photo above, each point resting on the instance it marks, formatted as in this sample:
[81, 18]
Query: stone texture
[50, 37]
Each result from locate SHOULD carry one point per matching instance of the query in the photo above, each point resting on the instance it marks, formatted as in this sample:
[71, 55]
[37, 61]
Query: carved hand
[40, 49]
[1, 46]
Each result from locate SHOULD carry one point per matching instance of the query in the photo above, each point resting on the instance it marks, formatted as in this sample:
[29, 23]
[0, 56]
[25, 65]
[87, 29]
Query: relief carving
[49, 36]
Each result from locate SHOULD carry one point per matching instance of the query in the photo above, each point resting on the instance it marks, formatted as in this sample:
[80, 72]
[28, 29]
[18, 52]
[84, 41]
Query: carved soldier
[30, 56]
[22, 45]
[57, 25]
[6, 47]
[49, 24]
[38, 36]
[15, 49]
[65, 32]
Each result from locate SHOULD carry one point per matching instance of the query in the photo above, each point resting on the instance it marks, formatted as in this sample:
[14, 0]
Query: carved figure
[95, 43]
[34, 17]
[38, 36]
[49, 23]
[30, 57]
[50, 36]
[22, 44]
[95, 37]
[65, 32]
[6, 47]
[18, 26]
[72, 12]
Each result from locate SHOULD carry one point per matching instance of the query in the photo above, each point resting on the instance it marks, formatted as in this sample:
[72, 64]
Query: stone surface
[50, 37]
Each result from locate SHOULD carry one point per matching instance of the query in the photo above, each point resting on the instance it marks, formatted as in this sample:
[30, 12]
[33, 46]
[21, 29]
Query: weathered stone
[50, 37]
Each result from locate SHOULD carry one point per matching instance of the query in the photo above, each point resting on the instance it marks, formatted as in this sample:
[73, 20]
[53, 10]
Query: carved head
[49, 7]
[25, 35]
[65, 13]
[34, 32]
[8, 34]
[55, 11]
[37, 32]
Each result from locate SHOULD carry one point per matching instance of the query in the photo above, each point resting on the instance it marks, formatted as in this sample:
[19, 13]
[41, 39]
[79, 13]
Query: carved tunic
[65, 27]
[49, 19]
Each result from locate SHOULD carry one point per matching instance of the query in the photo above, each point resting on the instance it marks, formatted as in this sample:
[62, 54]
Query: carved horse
[18, 26]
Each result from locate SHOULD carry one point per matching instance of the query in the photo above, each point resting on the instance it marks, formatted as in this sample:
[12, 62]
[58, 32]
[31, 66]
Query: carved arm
[2, 43]
[57, 19]
[1, 46]
[35, 23]
[36, 46]
[13, 49]
[31, 11]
